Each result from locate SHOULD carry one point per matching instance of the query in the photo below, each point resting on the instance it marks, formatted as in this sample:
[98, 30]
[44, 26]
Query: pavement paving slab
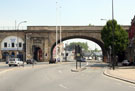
[127, 75]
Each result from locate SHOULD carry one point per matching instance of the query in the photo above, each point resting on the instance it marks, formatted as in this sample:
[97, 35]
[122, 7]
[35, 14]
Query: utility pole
[78, 55]
[56, 30]
[18, 39]
[60, 37]
[113, 53]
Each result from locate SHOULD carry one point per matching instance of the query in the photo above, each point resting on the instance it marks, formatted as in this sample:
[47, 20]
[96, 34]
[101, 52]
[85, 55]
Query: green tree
[82, 44]
[120, 36]
[96, 50]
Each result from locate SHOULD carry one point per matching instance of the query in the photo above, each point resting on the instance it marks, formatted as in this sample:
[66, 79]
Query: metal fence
[13, 28]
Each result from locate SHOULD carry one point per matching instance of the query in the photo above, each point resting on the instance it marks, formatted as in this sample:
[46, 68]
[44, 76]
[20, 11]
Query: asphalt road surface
[58, 77]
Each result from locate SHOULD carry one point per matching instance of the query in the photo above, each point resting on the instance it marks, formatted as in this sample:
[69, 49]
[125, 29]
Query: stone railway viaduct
[44, 38]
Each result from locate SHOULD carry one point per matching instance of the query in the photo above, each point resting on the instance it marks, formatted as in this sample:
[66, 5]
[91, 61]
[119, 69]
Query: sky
[69, 12]
[72, 12]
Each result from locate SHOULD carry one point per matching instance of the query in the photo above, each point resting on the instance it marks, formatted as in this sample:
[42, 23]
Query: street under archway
[81, 37]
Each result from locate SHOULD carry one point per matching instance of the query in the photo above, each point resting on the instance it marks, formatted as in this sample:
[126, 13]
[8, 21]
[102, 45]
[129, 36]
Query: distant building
[12, 46]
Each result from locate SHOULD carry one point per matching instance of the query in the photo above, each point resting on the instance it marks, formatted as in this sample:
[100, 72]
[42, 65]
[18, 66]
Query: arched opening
[100, 43]
[37, 54]
[12, 45]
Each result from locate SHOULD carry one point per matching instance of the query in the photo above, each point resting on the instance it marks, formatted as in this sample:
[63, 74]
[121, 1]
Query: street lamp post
[20, 24]
[56, 30]
[18, 30]
[17, 37]
[61, 45]
[113, 53]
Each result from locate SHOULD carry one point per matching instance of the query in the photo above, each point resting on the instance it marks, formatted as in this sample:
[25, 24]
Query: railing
[12, 28]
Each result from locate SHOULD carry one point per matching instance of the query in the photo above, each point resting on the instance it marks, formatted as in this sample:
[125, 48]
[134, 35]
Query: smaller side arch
[12, 45]
[7, 43]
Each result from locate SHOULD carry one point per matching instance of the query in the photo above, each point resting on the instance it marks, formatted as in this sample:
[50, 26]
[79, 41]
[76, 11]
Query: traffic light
[77, 49]
[78, 53]
[66, 54]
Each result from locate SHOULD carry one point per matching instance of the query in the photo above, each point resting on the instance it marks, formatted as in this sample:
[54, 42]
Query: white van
[15, 62]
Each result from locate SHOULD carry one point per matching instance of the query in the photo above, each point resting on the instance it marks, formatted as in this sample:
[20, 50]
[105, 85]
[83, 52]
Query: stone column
[46, 50]
[28, 47]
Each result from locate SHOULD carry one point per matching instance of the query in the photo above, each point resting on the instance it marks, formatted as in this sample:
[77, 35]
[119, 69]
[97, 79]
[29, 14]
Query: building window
[5, 44]
[20, 44]
[13, 44]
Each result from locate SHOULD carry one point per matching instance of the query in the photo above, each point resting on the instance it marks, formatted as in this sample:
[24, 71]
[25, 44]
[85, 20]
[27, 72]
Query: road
[58, 77]
[4, 66]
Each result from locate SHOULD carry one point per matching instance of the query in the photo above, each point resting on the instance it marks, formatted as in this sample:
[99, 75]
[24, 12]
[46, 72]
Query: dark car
[31, 61]
[83, 60]
[52, 60]
[132, 63]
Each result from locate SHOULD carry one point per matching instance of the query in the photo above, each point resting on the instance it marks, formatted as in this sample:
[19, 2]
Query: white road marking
[61, 85]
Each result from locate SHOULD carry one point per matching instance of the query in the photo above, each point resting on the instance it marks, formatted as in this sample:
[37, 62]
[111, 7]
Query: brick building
[131, 46]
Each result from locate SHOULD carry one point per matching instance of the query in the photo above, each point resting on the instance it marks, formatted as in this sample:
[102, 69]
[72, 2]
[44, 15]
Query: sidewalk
[2, 63]
[122, 73]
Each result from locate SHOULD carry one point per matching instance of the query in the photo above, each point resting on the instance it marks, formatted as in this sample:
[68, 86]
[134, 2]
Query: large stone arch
[87, 32]
[99, 42]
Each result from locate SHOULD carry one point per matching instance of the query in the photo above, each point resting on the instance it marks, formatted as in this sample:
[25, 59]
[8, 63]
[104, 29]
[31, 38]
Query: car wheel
[9, 65]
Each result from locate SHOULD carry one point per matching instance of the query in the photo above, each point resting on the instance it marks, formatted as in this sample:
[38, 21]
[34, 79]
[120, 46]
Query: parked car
[31, 61]
[52, 60]
[125, 62]
[83, 60]
[132, 63]
[15, 62]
